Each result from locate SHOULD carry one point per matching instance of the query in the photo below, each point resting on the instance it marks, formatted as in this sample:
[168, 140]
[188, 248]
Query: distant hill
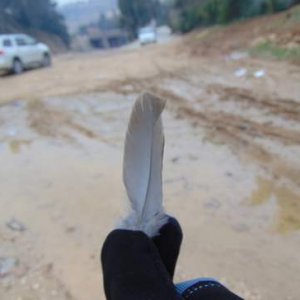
[83, 13]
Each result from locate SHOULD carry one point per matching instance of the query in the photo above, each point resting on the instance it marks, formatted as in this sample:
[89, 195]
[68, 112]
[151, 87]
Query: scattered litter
[238, 55]
[7, 264]
[16, 225]
[241, 72]
[259, 73]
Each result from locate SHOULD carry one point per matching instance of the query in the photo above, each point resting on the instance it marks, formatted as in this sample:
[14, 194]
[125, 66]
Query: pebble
[241, 72]
[16, 225]
[259, 73]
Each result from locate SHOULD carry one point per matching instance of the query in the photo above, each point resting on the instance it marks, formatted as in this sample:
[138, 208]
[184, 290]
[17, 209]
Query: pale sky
[61, 2]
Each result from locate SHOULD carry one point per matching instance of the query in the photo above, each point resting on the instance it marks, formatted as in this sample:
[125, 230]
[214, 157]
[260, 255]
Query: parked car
[20, 51]
[147, 35]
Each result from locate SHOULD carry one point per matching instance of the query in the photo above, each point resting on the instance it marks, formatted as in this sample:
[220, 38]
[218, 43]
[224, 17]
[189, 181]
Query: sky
[61, 2]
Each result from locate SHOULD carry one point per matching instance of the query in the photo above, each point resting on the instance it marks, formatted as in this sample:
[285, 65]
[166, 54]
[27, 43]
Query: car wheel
[17, 67]
[46, 60]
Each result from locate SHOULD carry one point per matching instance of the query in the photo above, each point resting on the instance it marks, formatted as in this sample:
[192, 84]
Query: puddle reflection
[16, 145]
[288, 201]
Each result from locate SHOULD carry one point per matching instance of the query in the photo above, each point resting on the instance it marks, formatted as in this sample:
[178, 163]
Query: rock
[244, 127]
[242, 72]
[16, 225]
[259, 74]
[7, 265]
[237, 55]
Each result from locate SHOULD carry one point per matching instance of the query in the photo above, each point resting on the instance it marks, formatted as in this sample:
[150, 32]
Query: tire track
[286, 108]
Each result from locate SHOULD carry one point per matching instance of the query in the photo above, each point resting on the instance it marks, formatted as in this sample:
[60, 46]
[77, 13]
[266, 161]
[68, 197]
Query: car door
[24, 50]
[28, 50]
[35, 52]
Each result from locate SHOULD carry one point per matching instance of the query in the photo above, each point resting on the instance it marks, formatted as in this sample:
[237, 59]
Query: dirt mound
[282, 30]
[53, 41]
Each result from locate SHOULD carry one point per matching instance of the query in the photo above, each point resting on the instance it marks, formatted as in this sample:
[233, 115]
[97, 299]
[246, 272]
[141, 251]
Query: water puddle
[287, 201]
[17, 145]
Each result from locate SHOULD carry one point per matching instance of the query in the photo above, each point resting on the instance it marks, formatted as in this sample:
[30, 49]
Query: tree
[34, 15]
[137, 13]
[193, 13]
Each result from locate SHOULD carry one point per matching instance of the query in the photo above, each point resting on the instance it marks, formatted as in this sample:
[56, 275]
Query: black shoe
[168, 243]
[133, 268]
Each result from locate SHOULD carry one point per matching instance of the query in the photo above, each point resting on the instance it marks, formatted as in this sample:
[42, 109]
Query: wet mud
[61, 161]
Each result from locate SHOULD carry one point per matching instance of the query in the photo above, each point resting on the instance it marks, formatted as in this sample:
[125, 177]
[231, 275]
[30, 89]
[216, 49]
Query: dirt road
[232, 169]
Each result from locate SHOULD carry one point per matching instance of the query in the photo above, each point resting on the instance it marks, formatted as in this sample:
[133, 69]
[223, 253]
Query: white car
[147, 35]
[20, 51]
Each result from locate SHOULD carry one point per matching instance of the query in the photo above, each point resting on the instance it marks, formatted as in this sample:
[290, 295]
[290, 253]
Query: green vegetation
[189, 14]
[295, 16]
[269, 49]
[30, 15]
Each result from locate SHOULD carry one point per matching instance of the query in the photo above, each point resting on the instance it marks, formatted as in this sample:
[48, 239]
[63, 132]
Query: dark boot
[133, 269]
[168, 243]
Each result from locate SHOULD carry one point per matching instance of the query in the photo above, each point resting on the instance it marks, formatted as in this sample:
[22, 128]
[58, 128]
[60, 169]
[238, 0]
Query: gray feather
[142, 166]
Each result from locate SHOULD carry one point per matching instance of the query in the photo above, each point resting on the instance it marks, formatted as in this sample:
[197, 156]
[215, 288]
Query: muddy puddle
[61, 165]
[285, 201]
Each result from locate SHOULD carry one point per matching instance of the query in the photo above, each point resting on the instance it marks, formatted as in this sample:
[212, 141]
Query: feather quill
[142, 166]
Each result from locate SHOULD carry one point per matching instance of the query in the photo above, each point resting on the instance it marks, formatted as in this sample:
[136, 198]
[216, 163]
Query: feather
[142, 166]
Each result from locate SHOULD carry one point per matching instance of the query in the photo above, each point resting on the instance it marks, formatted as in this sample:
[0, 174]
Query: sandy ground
[231, 172]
